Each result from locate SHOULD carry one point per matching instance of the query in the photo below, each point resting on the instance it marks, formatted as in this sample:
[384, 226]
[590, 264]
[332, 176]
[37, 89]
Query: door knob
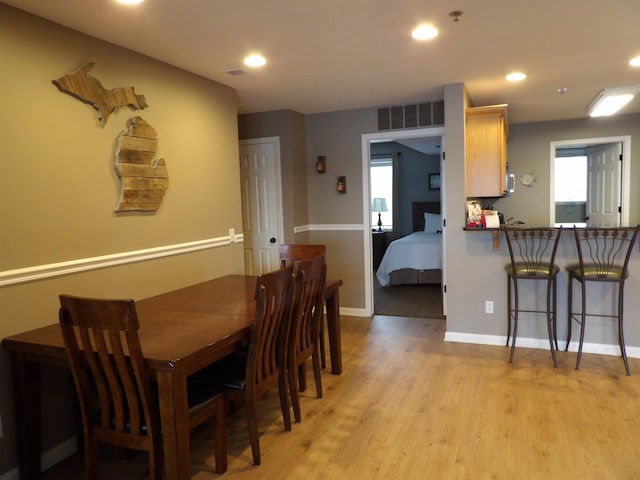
[272, 240]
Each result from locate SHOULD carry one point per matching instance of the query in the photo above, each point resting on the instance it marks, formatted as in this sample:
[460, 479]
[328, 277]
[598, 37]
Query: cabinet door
[486, 153]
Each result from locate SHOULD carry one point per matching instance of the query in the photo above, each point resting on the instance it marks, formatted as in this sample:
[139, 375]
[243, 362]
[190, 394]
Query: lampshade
[610, 100]
[379, 205]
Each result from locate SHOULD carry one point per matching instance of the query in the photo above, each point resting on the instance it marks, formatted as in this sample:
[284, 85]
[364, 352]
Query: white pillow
[432, 222]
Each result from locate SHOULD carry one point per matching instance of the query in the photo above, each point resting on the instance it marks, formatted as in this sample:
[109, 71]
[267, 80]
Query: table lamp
[379, 205]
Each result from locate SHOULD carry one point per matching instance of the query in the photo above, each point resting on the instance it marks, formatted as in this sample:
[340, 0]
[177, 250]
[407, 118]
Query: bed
[416, 258]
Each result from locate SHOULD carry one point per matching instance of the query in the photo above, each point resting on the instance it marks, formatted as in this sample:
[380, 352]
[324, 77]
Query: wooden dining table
[181, 332]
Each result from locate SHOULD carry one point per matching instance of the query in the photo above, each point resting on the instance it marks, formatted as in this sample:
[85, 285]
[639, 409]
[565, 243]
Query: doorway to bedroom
[406, 255]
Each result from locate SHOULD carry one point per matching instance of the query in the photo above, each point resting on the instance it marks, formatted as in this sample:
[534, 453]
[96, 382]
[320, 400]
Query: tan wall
[289, 127]
[58, 186]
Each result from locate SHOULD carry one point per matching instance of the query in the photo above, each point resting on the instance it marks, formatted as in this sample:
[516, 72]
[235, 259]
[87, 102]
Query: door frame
[625, 181]
[391, 136]
[278, 173]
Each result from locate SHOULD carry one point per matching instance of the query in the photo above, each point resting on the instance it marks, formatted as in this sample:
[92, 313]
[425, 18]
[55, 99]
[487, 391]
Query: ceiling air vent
[236, 72]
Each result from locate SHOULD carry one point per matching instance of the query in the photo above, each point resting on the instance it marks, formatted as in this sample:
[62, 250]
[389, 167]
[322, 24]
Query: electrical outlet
[232, 235]
[1, 430]
[488, 306]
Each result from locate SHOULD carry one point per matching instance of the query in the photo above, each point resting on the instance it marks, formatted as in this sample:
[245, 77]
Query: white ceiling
[328, 55]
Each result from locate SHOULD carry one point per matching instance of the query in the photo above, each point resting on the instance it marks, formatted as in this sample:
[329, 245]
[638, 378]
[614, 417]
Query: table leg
[26, 388]
[333, 328]
[174, 418]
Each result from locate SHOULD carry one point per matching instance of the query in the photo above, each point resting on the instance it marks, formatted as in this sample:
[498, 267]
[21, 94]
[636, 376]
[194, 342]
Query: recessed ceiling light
[425, 32]
[130, 2]
[255, 60]
[635, 62]
[516, 76]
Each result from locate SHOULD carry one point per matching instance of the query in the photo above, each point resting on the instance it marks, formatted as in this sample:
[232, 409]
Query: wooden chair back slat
[266, 355]
[304, 334]
[112, 382]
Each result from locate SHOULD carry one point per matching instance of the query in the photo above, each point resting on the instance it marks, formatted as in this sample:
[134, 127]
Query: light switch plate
[488, 306]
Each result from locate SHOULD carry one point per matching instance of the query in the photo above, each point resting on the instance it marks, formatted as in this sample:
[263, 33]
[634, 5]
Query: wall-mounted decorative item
[321, 164]
[89, 90]
[341, 186]
[143, 178]
[528, 179]
[434, 181]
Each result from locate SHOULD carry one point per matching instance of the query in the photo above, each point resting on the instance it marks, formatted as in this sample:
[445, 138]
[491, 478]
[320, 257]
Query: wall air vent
[411, 116]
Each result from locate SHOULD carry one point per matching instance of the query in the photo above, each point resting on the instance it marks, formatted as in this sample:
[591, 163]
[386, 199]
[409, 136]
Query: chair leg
[284, 399]
[555, 311]
[302, 377]
[508, 309]
[550, 317]
[583, 318]
[621, 326]
[569, 312]
[219, 435]
[316, 372]
[252, 425]
[323, 354]
[293, 389]
[90, 458]
[515, 319]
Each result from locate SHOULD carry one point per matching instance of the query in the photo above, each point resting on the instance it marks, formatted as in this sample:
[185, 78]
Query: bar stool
[603, 256]
[532, 252]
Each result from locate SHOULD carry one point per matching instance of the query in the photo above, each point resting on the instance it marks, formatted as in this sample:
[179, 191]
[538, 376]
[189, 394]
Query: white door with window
[261, 204]
[603, 188]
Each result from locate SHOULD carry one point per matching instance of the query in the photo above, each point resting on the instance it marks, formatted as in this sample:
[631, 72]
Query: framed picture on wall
[434, 181]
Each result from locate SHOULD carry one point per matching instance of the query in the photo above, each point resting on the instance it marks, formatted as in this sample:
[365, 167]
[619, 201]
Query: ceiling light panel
[610, 100]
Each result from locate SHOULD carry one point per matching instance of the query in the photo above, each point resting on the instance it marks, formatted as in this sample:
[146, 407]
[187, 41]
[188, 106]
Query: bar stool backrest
[532, 250]
[604, 252]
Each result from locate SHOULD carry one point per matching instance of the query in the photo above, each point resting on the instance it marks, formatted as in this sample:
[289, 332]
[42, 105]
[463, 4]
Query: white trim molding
[329, 227]
[541, 343]
[49, 458]
[28, 274]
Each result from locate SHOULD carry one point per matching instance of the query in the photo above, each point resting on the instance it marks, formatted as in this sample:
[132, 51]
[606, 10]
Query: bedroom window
[382, 187]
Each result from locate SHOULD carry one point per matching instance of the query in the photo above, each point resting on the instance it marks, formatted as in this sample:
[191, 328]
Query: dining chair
[292, 252]
[304, 333]
[532, 253]
[245, 375]
[603, 256]
[118, 402]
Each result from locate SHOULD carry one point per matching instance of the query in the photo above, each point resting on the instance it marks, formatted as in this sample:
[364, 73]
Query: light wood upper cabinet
[487, 133]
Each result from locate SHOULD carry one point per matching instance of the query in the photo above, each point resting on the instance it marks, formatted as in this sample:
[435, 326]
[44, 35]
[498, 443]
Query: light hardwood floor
[410, 406]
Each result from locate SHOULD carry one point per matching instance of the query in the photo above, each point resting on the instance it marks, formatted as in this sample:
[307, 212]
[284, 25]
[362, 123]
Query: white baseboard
[49, 458]
[598, 348]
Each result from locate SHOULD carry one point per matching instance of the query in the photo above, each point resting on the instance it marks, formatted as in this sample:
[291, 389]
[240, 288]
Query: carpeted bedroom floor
[408, 300]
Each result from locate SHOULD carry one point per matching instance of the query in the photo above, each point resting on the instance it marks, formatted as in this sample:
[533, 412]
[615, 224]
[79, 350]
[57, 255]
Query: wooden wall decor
[89, 90]
[143, 178]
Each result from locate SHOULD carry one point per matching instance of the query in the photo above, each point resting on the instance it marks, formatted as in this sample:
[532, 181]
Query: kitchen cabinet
[486, 139]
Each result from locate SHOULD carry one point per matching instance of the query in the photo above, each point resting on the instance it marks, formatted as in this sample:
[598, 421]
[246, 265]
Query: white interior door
[261, 204]
[603, 187]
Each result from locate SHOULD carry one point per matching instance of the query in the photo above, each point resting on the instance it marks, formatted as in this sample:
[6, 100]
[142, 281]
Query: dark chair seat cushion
[229, 372]
[532, 271]
[593, 272]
